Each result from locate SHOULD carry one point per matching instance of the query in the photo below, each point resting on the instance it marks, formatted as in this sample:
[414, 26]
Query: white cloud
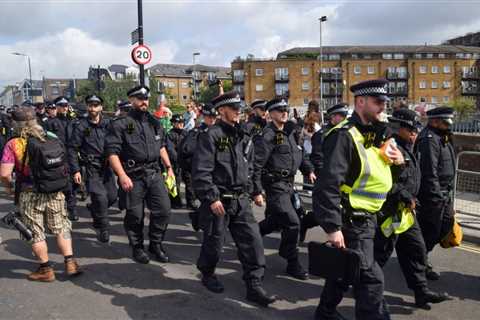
[69, 53]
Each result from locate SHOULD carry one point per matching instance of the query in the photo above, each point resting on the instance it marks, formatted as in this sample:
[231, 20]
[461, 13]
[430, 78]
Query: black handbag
[329, 262]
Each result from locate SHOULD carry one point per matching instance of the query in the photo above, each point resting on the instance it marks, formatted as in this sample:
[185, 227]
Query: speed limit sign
[141, 54]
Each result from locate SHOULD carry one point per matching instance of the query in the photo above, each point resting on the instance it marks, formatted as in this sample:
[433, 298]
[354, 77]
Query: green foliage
[207, 93]
[464, 107]
[114, 91]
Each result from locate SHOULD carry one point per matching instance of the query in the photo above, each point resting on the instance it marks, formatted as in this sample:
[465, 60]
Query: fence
[467, 189]
[467, 127]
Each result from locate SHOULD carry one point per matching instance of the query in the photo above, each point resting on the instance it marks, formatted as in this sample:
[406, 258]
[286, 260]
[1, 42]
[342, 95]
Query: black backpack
[47, 163]
[186, 148]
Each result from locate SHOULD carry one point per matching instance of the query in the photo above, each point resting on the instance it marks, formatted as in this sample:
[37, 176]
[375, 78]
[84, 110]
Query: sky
[64, 37]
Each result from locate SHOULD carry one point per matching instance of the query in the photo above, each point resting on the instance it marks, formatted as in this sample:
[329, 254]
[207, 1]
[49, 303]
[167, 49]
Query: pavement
[115, 287]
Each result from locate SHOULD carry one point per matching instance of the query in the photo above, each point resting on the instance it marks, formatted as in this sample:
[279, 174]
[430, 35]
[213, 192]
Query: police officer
[257, 121]
[175, 136]
[436, 154]
[186, 150]
[134, 144]
[346, 201]
[409, 244]
[61, 126]
[222, 169]
[277, 159]
[123, 107]
[86, 148]
[335, 114]
[40, 113]
[50, 110]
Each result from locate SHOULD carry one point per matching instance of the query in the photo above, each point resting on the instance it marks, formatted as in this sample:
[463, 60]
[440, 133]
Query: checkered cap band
[371, 91]
[62, 101]
[227, 101]
[141, 91]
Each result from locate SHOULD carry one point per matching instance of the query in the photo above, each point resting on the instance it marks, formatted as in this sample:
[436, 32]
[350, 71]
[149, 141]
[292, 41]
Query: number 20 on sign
[141, 54]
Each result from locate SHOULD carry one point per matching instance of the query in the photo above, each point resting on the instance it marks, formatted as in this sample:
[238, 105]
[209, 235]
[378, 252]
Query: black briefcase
[329, 262]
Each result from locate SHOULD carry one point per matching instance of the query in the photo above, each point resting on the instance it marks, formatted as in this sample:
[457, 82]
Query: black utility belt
[284, 173]
[131, 166]
[234, 195]
[351, 215]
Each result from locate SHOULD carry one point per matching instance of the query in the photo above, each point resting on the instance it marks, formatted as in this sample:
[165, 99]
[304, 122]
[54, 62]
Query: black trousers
[189, 193]
[281, 215]
[70, 193]
[150, 189]
[435, 222]
[368, 289]
[103, 193]
[411, 253]
[244, 229]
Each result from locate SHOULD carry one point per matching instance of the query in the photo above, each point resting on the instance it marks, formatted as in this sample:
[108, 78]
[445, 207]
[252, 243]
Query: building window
[259, 87]
[434, 69]
[446, 84]
[398, 56]
[171, 84]
[370, 69]
[468, 56]
[239, 89]
[434, 100]
[184, 84]
[305, 101]
[423, 84]
[429, 55]
[476, 56]
[281, 73]
[333, 57]
[434, 84]
[259, 72]
[281, 89]
[184, 97]
[422, 69]
[423, 99]
[354, 56]
[387, 56]
[446, 99]
[459, 55]
[446, 68]
[305, 86]
[238, 75]
[441, 55]
[367, 56]
[305, 71]
[418, 56]
[357, 70]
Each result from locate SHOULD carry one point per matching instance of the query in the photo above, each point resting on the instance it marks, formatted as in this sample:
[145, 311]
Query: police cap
[93, 99]
[209, 110]
[277, 104]
[140, 92]
[258, 103]
[230, 99]
[61, 101]
[338, 108]
[176, 118]
[406, 118]
[374, 88]
[441, 112]
[124, 105]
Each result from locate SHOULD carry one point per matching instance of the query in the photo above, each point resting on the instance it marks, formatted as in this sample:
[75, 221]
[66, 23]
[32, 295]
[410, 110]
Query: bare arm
[166, 161]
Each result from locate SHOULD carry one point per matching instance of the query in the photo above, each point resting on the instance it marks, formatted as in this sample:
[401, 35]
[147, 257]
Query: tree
[464, 107]
[114, 91]
[207, 93]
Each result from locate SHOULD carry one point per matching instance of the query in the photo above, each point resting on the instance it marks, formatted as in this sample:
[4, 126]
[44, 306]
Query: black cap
[277, 104]
[27, 103]
[231, 99]
[176, 118]
[23, 114]
[406, 118]
[93, 99]
[258, 103]
[374, 88]
[124, 105]
[441, 112]
[209, 110]
[49, 105]
[39, 105]
[61, 101]
[338, 108]
[141, 92]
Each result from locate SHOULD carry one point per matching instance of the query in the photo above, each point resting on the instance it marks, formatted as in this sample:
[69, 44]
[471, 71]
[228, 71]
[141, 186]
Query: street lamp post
[322, 19]
[30, 92]
[194, 83]
[140, 39]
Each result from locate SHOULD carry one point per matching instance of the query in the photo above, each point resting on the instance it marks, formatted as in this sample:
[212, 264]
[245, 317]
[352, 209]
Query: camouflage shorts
[44, 213]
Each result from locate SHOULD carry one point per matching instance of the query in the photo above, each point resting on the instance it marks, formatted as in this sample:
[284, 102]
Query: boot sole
[41, 280]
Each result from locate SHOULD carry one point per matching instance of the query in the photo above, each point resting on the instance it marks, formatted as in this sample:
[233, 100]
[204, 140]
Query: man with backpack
[39, 162]
[86, 148]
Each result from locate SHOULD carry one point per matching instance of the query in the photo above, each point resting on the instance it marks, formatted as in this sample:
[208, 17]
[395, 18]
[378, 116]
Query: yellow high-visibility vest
[369, 191]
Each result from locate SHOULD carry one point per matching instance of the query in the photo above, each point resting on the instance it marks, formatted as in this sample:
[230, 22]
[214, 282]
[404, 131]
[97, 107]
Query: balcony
[281, 77]
[332, 92]
[394, 75]
[238, 79]
[402, 92]
[331, 76]
[471, 91]
[282, 95]
[471, 75]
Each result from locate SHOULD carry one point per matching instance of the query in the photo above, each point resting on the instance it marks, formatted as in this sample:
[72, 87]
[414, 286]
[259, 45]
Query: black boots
[140, 256]
[430, 273]
[211, 282]
[295, 270]
[425, 296]
[257, 294]
[72, 215]
[103, 235]
[156, 249]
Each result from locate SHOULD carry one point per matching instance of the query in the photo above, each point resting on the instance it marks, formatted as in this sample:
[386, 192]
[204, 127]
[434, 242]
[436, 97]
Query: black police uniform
[86, 148]
[137, 140]
[222, 171]
[175, 136]
[434, 149]
[62, 127]
[277, 159]
[333, 212]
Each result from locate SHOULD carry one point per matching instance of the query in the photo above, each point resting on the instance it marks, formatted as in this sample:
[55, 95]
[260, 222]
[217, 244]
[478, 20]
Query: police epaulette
[118, 117]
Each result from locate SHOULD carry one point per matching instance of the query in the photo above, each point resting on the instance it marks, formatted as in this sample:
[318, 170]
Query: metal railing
[467, 191]
[467, 127]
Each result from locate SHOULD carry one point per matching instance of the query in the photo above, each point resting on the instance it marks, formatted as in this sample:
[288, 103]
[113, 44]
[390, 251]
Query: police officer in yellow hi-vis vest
[351, 189]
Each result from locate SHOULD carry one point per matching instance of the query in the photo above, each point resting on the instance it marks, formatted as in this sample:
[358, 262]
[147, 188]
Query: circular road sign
[141, 54]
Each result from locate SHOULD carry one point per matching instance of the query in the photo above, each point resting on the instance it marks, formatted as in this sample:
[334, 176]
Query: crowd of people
[375, 186]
